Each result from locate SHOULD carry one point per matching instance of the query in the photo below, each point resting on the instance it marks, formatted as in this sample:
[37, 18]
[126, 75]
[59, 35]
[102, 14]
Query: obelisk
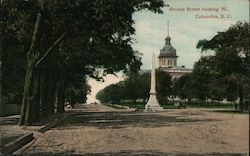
[152, 104]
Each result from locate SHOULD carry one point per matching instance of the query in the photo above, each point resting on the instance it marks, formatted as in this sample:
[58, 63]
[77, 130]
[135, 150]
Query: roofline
[168, 56]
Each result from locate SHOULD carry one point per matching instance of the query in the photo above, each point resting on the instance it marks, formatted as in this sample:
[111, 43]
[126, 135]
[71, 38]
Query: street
[101, 130]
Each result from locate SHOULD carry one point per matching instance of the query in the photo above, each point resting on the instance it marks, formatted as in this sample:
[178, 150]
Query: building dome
[168, 50]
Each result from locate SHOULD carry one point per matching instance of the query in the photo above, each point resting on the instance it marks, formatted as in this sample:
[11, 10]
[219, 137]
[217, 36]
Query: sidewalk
[8, 127]
[14, 137]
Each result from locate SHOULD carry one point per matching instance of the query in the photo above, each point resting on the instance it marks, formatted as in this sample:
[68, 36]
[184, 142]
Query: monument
[152, 104]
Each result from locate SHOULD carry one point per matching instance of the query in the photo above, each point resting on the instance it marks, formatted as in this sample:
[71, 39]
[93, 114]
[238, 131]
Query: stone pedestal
[152, 104]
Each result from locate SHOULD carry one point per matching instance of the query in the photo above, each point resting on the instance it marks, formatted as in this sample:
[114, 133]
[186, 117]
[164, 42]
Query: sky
[185, 27]
[189, 22]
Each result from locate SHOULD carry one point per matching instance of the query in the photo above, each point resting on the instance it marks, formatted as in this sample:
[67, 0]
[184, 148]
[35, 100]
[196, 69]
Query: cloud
[96, 86]
[185, 29]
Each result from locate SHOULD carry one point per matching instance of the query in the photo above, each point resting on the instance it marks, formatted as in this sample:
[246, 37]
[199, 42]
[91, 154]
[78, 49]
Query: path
[107, 131]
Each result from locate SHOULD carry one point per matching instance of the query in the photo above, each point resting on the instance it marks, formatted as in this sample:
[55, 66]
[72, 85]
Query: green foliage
[111, 94]
[163, 85]
[60, 39]
[132, 87]
[229, 67]
[210, 105]
[222, 75]
[13, 61]
[10, 109]
[168, 106]
[144, 86]
[183, 87]
[136, 86]
[77, 91]
[171, 105]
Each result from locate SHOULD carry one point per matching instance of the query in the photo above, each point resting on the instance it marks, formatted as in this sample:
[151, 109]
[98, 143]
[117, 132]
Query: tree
[144, 86]
[202, 76]
[111, 94]
[101, 96]
[59, 35]
[231, 56]
[136, 86]
[183, 87]
[12, 62]
[164, 85]
[77, 91]
[132, 87]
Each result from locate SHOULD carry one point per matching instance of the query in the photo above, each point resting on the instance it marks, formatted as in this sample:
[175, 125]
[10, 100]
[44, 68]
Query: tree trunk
[61, 93]
[44, 94]
[31, 59]
[35, 99]
[241, 96]
[26, 95]
[51, 94]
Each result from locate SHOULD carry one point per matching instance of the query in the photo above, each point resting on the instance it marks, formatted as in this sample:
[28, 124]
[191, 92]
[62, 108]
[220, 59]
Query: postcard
[124, 77]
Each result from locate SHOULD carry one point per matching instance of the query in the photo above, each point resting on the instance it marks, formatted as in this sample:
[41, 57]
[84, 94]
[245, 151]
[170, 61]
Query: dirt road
[101, 130]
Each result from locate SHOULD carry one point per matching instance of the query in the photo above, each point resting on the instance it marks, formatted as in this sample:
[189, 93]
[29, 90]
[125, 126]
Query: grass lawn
[9, 139]
[189, 105]
[142, 105]
[114, 106]
[169, 106]
[210, 105]
[134, 105]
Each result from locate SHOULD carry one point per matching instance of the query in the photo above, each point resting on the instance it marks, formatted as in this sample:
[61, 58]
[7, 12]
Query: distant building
[168, 61]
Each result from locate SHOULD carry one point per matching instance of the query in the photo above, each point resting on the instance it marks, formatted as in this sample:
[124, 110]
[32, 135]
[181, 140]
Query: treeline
[49, 47]
[222, 75]
[227, 71]
[136, 86]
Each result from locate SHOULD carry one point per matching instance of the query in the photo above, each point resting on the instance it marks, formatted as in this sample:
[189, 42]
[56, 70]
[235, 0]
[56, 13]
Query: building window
[163, 61]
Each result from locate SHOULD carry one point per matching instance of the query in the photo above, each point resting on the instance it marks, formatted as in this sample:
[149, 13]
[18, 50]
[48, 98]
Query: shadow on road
[117, 120]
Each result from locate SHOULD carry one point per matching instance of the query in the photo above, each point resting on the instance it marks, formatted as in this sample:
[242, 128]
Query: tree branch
[50, 49]
[36, 28]
[35, 33]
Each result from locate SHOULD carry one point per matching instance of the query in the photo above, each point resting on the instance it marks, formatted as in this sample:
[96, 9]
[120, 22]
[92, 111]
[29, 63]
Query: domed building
[168, 61]
[168, 57]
